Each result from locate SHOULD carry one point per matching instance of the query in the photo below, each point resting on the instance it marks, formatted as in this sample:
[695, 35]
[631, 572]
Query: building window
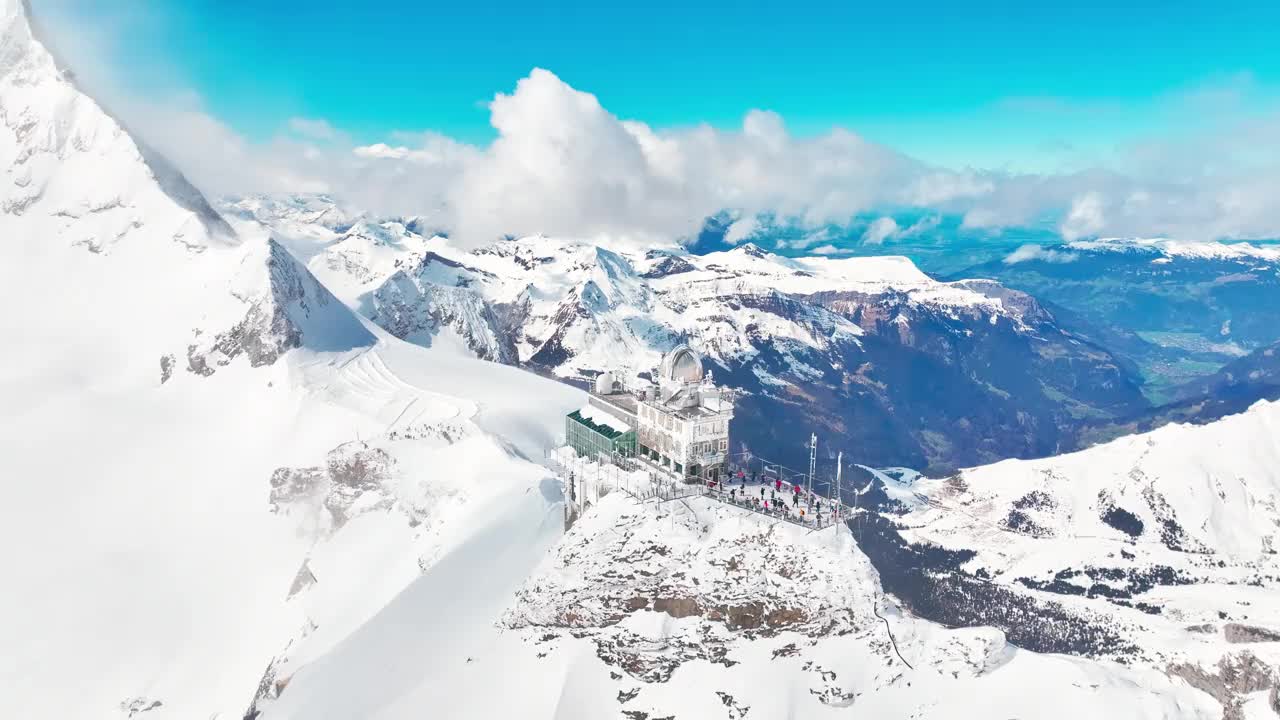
[724, 445]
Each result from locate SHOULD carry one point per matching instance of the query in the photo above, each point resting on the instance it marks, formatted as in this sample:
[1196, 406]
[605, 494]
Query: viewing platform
[753, 485]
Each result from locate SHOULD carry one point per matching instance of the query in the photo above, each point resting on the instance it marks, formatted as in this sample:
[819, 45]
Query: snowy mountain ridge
[847, 328]
[55, 170]
[205, 450]
[1170, 248]
[610, 277]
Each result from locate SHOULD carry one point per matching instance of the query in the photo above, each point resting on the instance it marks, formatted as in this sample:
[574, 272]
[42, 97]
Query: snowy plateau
[274, 459]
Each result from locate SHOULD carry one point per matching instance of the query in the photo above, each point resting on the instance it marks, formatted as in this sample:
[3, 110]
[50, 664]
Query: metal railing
[812, 511]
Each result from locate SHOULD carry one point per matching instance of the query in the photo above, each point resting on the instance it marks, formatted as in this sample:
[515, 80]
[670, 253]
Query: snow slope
[211, 466]
[1171, 497]
[1166, 542]
[691, 609]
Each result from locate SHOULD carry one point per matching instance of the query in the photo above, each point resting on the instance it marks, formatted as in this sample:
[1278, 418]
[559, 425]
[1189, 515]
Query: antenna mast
[839, 467]
[813, 458]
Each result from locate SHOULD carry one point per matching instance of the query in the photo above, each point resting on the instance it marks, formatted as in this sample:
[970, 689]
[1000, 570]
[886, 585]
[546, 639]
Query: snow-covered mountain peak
[72, 172]
[1171, 248]
[165, 381]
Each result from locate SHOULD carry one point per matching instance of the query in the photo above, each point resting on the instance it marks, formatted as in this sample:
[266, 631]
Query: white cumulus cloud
[561, 163]
[1027, 253]
[880, 230]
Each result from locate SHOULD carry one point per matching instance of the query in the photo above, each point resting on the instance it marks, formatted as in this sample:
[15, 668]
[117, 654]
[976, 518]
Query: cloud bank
[563, 164]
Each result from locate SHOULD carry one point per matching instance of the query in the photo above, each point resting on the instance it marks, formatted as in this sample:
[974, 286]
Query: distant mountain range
[894, 367]
[1176, 310]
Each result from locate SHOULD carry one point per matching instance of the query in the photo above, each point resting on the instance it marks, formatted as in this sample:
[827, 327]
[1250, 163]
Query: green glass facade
[590, 439]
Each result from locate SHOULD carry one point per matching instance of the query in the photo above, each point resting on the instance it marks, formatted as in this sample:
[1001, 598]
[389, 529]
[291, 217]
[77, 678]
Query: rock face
[416, 311]
[1234, 677]
[291, 304]
[1238, 633]
[731, 577]
[681, 600]
[352, 480]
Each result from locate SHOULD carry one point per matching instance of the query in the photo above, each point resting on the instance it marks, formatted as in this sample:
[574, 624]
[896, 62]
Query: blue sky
[989, 84]
[1083, 119]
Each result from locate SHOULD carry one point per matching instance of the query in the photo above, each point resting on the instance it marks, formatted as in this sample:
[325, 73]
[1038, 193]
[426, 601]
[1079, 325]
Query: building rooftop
[630, 404]
[624, 401]
[604, 418]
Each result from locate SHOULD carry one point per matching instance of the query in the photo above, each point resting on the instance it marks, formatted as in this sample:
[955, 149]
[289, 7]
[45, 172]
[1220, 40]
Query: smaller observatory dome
[604, 384]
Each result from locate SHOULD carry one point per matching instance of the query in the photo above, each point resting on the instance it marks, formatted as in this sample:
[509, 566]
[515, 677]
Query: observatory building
[679, 421]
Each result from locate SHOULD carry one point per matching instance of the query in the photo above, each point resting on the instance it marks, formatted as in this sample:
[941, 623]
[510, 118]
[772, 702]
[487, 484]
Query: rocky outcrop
[417, 311]
[1234, 677]
[720, 581]
[351, 481]
[1237, 633]
[286, 308]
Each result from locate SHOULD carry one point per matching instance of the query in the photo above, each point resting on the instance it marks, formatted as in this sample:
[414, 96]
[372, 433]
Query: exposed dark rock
[1172, 534]
[669, 265]
[677, 607]
[272, 323]
[787, 650]
[1237, 633]
[626, 696]
[166, 368]
[735, 709]
[351, 470]
[134, 707]
[302, 580]
[269, 688]
[410, 309]
[1235, 676]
